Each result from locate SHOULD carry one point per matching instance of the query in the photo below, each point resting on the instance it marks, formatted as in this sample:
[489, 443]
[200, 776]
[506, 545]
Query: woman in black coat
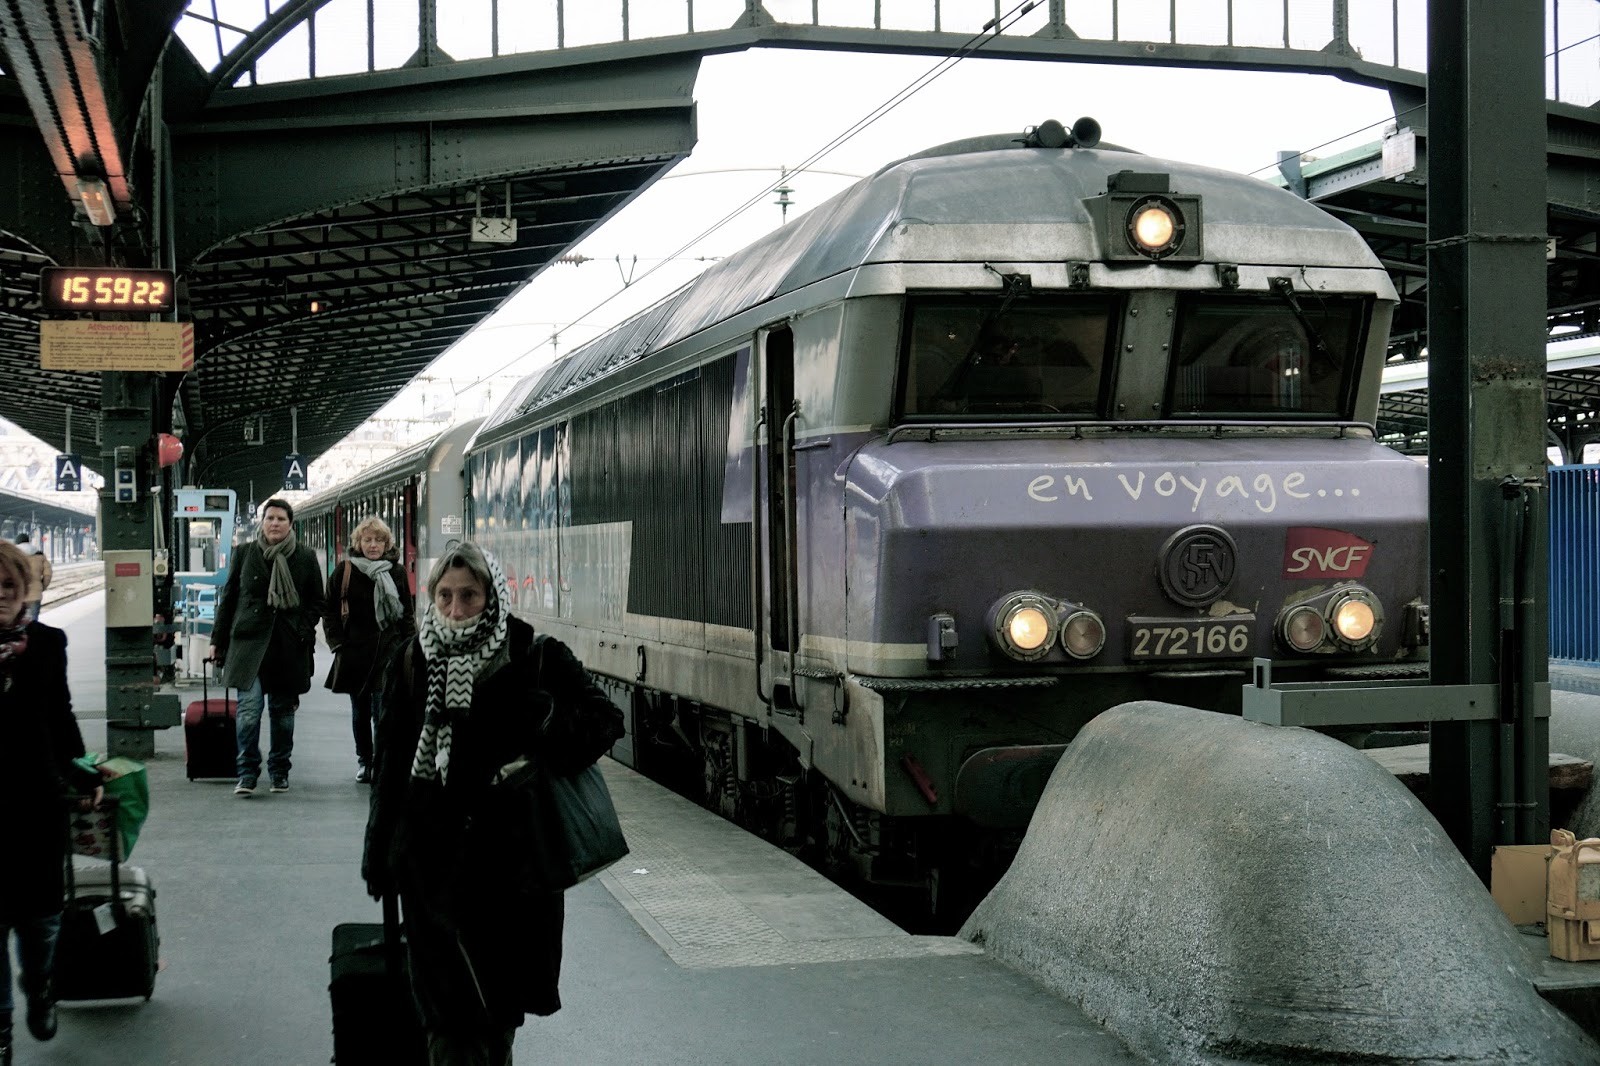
[475, 692]
[39, 738]
[369, 605]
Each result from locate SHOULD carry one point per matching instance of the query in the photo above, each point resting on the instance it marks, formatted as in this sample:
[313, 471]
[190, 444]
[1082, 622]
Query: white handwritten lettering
[1265, 487]
[1266, 491]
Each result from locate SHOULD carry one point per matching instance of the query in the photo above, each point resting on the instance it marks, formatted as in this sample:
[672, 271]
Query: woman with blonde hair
[369, 603]
[39, 738]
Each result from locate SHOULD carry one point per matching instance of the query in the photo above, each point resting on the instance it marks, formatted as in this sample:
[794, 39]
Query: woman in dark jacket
[369, 604]
[39, 738]
[474, 693]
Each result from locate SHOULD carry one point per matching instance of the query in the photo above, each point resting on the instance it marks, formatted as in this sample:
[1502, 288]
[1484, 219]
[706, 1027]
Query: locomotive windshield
[1265, 356]
[1001, 359]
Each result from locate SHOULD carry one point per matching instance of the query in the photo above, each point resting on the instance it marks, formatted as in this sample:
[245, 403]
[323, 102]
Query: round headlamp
[1083, 634]
[1302, 628]
[1155, 227]
[1354, 615]
[1024, 625]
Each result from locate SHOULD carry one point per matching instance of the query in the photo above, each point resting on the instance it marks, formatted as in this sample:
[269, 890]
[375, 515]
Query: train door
[777, 427]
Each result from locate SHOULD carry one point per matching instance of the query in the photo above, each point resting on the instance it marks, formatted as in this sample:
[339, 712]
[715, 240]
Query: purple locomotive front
[862, 525]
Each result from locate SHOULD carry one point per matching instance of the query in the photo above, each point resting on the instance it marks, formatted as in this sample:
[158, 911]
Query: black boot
[42, 1015]
[5, 1042]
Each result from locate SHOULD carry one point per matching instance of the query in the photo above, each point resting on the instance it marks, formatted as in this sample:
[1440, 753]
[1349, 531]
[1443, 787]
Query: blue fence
[1575, 563]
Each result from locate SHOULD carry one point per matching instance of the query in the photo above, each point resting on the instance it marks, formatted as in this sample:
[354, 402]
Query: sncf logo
[1313, 552]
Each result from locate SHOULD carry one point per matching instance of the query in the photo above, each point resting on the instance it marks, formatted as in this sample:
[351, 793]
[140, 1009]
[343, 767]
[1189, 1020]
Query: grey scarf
[281, 592]
[385, 597]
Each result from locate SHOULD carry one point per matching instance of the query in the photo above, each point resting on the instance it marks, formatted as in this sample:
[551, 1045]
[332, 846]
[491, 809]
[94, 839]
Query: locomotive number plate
[1191, 638]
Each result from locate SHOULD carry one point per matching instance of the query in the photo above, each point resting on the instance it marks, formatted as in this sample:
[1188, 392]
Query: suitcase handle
[392, 959]
[205, 693]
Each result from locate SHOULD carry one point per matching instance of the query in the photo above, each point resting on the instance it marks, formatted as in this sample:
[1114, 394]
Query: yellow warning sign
[116, 345]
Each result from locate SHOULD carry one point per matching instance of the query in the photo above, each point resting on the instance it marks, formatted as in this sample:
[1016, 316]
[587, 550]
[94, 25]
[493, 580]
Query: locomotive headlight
[1355, 615]
[1156, 227]
[1302, 628]
[1024, 625]
[1083, 634]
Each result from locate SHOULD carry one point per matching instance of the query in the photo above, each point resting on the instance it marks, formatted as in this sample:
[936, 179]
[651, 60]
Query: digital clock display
[105, 289]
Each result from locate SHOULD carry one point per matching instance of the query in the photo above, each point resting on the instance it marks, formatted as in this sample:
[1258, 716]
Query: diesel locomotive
[863, 524]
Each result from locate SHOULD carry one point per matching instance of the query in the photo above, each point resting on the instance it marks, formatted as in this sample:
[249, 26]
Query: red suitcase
[210, 746]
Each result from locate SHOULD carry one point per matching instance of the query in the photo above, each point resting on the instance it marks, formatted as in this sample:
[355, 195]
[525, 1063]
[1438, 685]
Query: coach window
[1255, 356]
[990, 359]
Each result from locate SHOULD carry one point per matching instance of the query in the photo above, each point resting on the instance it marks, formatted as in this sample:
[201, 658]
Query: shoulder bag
[561, 829]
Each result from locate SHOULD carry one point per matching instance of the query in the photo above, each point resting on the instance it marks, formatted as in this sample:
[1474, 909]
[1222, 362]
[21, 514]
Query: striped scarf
[457, 653]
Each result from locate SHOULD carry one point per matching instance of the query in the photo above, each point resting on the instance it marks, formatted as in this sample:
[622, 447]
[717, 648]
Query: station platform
[704, 946]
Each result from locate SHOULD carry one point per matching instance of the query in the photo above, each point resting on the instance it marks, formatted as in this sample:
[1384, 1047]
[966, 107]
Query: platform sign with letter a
[295, 469]
[69, 473]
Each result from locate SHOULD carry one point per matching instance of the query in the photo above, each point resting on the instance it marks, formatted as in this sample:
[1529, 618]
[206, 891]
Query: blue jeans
[36, 954]
[280, 710]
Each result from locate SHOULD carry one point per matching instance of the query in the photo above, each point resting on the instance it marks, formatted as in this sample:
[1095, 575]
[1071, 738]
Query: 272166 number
[1184, 638]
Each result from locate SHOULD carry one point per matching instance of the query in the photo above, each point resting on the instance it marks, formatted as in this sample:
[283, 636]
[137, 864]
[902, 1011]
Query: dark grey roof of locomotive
[987, 181]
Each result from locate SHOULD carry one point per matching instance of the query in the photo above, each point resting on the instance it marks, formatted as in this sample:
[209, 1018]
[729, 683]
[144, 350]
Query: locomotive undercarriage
[928, 870]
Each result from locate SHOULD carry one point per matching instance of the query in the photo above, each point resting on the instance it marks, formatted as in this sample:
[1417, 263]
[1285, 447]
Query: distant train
[418, 492]
[863, 524]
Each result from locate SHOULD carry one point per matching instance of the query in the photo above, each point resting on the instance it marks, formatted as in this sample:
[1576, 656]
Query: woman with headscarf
[369, 603]
[474, 693]
[39, 738]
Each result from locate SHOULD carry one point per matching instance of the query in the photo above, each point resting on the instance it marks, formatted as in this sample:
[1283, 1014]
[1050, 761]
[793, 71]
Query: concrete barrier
[1575, 729]
[1219, 891]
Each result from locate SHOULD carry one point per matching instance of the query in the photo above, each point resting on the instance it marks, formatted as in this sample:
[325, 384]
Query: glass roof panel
[528, 27]
[288, 60]
[342, 37]
[394, 42]
[466, 33]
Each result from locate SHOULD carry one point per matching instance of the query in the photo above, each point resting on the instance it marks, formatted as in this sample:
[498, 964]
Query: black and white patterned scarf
[456, 654]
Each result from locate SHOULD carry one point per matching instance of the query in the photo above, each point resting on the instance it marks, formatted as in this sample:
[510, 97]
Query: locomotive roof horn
[1085, 133]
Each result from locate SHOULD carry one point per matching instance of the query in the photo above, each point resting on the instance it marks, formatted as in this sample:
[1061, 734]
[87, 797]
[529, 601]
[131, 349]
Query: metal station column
[126, 536]
[1486, 415]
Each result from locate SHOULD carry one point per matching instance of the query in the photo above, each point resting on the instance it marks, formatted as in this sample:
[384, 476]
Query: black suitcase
[374, 1017]
[109, 947]
[210, 744]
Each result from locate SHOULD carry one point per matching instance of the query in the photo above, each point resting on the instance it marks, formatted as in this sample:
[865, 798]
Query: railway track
[72, 581]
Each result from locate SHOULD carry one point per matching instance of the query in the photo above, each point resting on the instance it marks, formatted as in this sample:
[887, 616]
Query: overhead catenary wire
[991, 29]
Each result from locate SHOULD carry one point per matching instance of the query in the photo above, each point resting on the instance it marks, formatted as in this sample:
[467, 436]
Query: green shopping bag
[126, 780]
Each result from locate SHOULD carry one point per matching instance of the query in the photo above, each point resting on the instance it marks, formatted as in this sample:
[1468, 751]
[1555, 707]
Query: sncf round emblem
[1197, 565]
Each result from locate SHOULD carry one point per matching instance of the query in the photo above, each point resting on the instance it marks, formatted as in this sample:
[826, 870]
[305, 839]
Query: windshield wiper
[1015, 285]
[1284, 287]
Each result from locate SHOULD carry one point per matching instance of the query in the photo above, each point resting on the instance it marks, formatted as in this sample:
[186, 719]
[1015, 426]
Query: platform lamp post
[1489, 552]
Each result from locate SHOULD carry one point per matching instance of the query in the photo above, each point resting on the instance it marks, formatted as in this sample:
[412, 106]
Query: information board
[116, 345]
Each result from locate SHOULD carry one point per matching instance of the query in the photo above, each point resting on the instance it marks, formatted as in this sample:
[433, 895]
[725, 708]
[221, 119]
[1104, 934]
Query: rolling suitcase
[374, 1016]
[109, 947]
[209, 743]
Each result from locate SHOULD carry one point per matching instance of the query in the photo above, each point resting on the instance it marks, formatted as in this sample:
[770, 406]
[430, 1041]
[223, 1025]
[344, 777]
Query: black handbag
[561, 829]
